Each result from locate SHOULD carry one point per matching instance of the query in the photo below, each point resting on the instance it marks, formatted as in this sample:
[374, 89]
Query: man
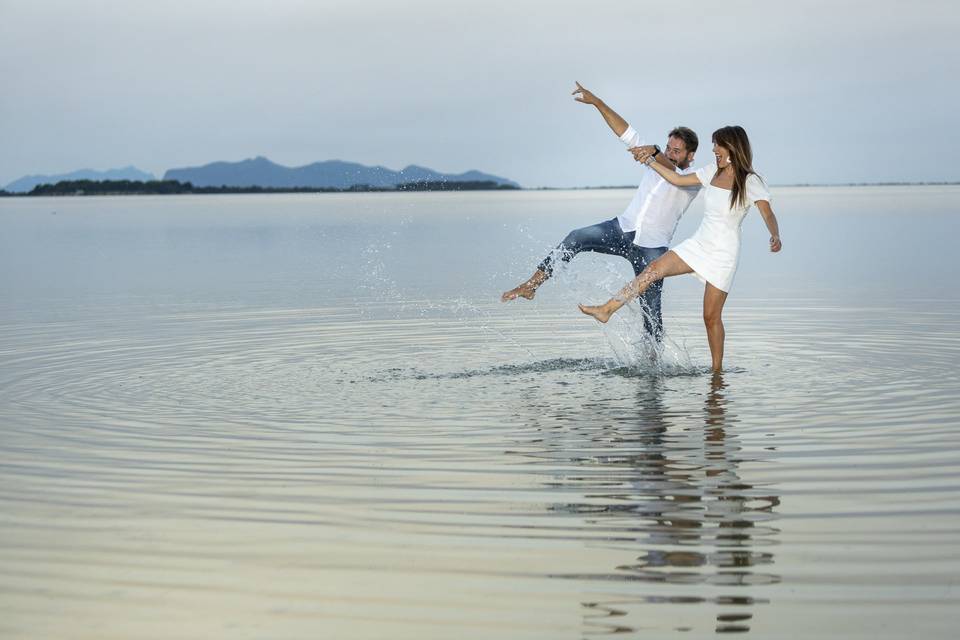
[642, 233]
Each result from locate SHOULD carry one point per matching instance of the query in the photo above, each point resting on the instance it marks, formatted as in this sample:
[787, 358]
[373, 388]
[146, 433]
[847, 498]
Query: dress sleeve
[631, 138]
[757, 189]
[705, 174]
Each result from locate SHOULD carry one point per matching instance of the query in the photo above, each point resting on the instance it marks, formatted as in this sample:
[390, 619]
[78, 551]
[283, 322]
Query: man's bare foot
[527, 289]
[523, 291]
[599, 313]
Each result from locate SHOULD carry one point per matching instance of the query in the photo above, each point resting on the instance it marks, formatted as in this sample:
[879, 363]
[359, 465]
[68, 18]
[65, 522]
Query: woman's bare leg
[669, 264]
[713, 300]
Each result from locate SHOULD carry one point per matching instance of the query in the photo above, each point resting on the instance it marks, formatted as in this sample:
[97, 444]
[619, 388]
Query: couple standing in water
[642, 233]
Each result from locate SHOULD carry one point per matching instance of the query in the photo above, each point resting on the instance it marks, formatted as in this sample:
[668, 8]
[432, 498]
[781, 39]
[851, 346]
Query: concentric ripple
[328, 467]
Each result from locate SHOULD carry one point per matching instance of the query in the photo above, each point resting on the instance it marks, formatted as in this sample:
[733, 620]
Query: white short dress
[713, 251]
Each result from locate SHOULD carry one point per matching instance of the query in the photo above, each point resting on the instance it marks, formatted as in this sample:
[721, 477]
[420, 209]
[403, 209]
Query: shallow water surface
[302, 417]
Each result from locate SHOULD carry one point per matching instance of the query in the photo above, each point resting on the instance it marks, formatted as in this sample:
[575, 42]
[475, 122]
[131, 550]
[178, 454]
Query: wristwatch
[656, 150]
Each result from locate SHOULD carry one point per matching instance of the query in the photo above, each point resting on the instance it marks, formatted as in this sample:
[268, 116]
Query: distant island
[26, 183]
[336, 174]
[175, 187]
[262, 175]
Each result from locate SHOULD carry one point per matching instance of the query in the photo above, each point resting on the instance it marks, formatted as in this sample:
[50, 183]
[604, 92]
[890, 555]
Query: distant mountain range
[261, 172]
[26, 183]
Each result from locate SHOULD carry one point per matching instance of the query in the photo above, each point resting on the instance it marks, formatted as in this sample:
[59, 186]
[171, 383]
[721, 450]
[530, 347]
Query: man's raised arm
[613, 119]
[624, 131]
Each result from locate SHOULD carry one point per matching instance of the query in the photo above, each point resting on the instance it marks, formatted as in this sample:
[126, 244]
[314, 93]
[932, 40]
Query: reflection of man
[642, 233]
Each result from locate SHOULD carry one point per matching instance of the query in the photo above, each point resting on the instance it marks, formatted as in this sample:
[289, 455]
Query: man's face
[677, 152]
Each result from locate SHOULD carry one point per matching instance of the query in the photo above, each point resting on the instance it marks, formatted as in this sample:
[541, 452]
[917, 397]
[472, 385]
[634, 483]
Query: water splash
[593, 277]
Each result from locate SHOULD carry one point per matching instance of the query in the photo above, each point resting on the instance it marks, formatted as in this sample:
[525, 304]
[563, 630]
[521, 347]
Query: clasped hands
[642, 154]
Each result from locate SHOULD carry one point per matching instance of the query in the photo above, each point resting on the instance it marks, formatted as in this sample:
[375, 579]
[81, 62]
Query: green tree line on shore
[175, 187]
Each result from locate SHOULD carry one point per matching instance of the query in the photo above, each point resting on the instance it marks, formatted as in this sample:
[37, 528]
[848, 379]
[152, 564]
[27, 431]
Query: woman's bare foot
[600, 312]
[523, 291]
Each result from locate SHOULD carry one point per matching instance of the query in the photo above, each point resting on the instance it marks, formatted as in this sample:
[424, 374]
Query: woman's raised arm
[668, 174]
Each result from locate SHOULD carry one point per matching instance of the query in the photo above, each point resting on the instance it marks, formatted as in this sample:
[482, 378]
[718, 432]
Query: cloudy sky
[829, 91]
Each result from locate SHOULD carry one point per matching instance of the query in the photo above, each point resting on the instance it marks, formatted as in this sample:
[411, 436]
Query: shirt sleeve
[705, 174]
[757, 189]
[631, 138]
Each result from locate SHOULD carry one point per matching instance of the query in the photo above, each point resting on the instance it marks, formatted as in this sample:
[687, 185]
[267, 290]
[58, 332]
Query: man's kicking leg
[605, 237]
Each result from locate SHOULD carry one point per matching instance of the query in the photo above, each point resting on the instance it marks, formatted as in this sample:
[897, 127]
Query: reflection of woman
[712, 253]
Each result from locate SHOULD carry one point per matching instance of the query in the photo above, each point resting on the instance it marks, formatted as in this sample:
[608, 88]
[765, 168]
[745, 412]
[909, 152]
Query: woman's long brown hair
[734, 139]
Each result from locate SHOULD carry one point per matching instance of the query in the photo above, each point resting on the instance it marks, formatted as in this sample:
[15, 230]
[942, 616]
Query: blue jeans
[607, 237]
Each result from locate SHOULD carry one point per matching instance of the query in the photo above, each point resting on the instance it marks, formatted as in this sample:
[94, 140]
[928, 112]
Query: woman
[712, 253]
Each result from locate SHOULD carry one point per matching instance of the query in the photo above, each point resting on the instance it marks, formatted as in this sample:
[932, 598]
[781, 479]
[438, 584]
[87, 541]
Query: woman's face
[722, 154]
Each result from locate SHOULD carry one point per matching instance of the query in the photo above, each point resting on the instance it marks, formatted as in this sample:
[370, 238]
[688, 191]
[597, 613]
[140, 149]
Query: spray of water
[630, 349]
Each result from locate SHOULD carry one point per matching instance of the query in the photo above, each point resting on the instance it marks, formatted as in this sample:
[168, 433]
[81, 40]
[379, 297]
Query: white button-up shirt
[657, 206]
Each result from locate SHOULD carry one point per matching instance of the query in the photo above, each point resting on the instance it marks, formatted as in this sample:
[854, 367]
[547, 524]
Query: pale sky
[828, 91]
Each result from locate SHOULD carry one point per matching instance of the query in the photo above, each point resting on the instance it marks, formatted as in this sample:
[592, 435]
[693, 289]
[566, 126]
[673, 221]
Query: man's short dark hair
[687, 135]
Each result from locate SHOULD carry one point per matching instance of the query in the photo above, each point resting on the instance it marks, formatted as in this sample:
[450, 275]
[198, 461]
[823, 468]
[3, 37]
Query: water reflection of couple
[704, 533]
[642, 233]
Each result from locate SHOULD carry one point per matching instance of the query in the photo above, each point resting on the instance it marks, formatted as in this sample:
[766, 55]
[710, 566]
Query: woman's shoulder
[705, 173]
[757, 188]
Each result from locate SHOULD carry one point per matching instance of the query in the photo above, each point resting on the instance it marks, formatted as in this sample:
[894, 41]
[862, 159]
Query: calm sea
[309, 416]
